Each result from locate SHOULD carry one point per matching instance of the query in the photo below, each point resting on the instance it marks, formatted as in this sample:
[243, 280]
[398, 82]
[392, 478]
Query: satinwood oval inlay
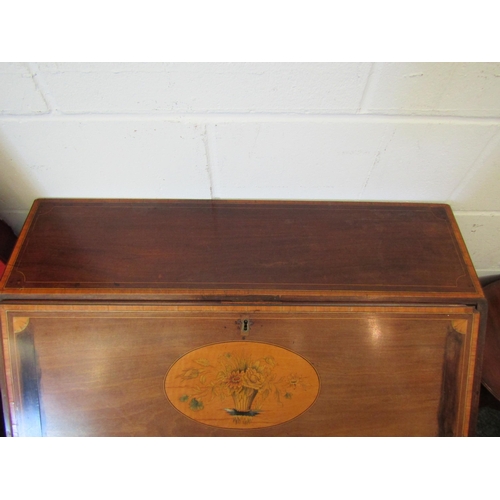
[241, 385]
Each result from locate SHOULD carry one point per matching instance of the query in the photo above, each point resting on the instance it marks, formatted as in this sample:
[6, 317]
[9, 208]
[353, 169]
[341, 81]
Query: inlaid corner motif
[19, 324]
[241, 385]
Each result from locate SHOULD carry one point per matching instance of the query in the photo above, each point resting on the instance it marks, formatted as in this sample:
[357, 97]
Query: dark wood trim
[448, 407]
[482, 307]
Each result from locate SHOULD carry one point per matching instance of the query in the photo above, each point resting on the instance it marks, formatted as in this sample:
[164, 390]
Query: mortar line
[208, 155]
[476, 164]
[479, 213]
[42, 88]
[255, 117]
[367, 89]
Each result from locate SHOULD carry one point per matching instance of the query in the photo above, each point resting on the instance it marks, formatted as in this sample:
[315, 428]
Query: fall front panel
[238, 370]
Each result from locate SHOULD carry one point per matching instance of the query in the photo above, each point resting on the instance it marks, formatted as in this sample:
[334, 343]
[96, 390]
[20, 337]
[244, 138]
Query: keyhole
[245, 324]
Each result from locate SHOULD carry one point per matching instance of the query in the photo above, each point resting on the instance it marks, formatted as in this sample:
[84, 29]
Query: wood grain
[280, 250]
[491, 363]
[102, 369]
[101, 298]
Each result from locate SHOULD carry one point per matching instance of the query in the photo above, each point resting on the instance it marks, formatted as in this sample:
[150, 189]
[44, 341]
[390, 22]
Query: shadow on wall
[17, 189]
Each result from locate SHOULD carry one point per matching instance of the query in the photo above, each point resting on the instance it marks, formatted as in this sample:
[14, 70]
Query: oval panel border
[241, 385]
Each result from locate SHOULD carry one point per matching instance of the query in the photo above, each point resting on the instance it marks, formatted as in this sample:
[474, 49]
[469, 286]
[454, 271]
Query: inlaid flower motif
[188, 374]
[254, 379]
[294, 381]
[196, 404]
[234, 381]
[247, 381]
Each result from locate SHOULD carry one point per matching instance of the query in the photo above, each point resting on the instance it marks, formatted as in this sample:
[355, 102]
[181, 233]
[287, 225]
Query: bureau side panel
[239, 370]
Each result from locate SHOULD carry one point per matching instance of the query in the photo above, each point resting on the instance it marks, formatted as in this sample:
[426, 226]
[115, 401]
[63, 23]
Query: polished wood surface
[195, 249]
[204, 318]
[104, 370]
[491, 362]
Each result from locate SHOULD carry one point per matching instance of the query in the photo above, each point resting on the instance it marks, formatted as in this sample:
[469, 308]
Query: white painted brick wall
[328, 131]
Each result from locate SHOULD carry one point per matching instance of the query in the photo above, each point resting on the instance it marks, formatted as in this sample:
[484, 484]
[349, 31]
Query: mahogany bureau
[240, 318]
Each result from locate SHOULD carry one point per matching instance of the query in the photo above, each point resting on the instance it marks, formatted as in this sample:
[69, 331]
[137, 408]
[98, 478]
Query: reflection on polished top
[195, 248]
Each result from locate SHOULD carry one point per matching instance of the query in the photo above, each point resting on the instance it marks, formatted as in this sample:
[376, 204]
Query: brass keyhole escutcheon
[244, 324]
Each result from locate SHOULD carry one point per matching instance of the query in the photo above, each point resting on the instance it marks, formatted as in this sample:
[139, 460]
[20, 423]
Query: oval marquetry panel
[241, 385]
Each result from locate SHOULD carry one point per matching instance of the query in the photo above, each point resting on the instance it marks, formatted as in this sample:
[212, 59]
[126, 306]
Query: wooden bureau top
[235, 250]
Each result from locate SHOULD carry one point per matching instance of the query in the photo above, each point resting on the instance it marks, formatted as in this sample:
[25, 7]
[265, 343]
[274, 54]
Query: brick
[295, 160]
[441, 89]
[426, 161]
[18, 91]
[481, 233]
[479, 189]
[110, 158]
[206, 87]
